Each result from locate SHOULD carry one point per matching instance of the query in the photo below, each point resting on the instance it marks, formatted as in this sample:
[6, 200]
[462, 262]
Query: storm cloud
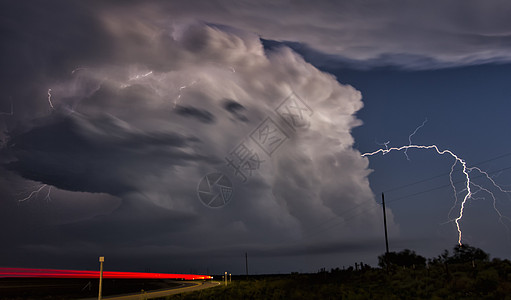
[142, 109]
[403, 33]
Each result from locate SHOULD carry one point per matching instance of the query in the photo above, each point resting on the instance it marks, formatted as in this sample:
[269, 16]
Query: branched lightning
[36, 192]
[468, 182]
[386, 144]
[494, 201]
[410, 137]
[453, 189]
[49, 99]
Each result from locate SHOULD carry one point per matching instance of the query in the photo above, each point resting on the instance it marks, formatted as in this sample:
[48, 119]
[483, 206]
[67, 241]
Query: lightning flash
[49, 99]
[77, 69]
[180, 89]
[140, 76]
[35, 193]
[470, 188]
[410, 137]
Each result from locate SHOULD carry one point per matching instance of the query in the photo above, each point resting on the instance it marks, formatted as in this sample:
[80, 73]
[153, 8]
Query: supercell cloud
[144, 108]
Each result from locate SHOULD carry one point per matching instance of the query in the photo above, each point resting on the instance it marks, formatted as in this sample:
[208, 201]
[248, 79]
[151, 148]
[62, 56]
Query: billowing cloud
[400, 33]
[140, 118]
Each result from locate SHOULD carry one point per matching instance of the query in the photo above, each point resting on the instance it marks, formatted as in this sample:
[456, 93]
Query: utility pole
[386, 236]
[246, 263]
[101, 260]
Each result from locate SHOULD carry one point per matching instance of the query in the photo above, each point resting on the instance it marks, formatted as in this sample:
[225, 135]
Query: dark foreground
[437, 280]
[72, 288]
[491, 280]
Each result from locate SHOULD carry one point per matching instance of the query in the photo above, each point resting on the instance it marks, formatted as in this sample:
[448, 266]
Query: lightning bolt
[77, 69]
[453, 189]
[466, 170]
[134, 78]
[140, 76]
[49, 99]
[35, 193]
[410, 137]
[180, 89]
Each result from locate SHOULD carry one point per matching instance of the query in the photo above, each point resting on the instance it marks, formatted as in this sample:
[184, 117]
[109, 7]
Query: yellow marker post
[101, 260]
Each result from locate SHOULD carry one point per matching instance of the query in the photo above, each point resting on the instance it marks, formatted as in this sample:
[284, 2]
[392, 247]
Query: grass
[489, 280]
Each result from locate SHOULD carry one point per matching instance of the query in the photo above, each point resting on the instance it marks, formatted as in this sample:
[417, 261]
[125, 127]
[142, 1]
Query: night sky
[176, 136]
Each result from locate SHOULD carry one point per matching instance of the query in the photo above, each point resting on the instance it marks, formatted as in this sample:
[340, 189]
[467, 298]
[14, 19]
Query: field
[467, 273]
[488, 281]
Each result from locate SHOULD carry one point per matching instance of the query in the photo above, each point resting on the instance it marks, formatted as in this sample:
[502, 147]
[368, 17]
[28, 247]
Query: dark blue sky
[467, 112]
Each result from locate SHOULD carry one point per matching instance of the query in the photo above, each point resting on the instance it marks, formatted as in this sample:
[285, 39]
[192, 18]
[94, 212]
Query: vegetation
[405, 258]
[466, 273]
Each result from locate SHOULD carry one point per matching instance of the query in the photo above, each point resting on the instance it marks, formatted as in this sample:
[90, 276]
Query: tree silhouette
[405, 258]
[467, 253]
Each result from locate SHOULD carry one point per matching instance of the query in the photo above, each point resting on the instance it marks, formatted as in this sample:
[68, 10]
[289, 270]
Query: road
[195, 286]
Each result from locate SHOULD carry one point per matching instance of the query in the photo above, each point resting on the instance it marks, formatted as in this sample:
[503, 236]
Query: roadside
[194, 286]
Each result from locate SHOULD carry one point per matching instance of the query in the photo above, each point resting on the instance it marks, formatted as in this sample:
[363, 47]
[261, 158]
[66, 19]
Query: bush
[406, 258]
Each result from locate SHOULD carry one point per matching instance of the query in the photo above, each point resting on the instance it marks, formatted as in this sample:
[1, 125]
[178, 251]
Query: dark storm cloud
[332, 61]
[233, 106]
[291, 248]
[321, 248]
[140, 114]
[70, 152]
[142, 222]
[235, 109]
[201, 115]
[33, 35]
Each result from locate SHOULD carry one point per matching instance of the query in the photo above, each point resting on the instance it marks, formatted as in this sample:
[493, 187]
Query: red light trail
[50, 273]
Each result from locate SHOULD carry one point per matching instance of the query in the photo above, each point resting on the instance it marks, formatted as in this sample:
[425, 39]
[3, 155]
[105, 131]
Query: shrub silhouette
[406, 258]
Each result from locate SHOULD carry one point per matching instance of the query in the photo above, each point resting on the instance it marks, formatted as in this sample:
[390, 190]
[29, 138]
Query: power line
[339, 220]
[443, 186]
[443, 174]
[352, 213]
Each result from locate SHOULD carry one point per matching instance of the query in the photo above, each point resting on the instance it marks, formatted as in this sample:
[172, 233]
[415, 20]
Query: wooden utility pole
[386, 236]
[246, 263]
